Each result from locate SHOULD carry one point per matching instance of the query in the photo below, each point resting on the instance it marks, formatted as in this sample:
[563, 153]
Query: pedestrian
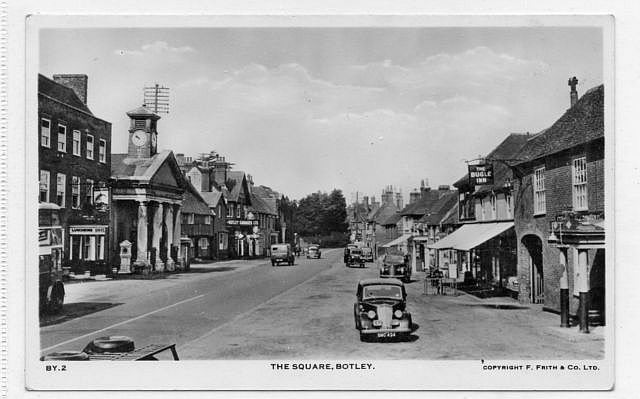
[439, 277]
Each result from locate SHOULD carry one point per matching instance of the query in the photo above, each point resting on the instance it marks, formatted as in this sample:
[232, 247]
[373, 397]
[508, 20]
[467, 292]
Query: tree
[321, 214]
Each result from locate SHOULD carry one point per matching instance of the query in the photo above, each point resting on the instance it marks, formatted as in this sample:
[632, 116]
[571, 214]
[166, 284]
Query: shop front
[480, 254]
[87, 244]
[241, 237]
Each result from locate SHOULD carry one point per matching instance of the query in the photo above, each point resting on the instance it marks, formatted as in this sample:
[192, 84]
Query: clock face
[139, 138]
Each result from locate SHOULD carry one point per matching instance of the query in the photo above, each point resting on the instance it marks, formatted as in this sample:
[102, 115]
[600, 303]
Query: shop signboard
[101, 199]
[480, 174]
[241, 222]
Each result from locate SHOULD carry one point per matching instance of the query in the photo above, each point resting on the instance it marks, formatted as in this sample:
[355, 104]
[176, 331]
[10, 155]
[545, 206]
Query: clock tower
[143, 133]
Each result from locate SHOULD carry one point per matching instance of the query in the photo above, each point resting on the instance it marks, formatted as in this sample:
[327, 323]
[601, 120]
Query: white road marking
[122, 322]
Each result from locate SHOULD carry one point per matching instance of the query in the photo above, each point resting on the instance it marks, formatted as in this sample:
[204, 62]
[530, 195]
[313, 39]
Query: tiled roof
[193, 202]
[582, 123]
[383, 213]
[61, 93]
[392, 219]
[422, 206]
[451, 216]
[261, 206]
[440, 208]
[506, 151]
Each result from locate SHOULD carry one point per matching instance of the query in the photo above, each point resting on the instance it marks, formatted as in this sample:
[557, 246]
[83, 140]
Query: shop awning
[471, 235]
[397, 241]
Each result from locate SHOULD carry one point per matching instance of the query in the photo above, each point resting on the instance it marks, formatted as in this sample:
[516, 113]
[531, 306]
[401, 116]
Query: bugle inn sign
[480, 174]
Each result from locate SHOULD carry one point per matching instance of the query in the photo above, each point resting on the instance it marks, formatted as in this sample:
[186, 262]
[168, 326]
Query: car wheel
[364, 337]
[57, 299]
[273, 263]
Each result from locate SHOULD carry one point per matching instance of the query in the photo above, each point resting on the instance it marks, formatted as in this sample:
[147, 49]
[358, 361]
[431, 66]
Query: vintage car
[355, 257]
[394, 266]
[380, 309]
[347, 251]
[313, 252]
[367, 254]
[281, 253]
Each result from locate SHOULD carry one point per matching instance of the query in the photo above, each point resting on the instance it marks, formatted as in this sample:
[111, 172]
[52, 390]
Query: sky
[313, 109]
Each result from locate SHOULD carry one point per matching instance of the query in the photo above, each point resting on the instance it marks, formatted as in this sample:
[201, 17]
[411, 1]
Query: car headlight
[371, 314]
[398, 314]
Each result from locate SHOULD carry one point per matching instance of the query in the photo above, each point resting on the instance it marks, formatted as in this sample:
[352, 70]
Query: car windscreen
[394, 259]
[382, 291]
[278, 249]
[356, 252]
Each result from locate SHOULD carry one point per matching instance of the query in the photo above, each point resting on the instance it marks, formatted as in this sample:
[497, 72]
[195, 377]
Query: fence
[440, 286]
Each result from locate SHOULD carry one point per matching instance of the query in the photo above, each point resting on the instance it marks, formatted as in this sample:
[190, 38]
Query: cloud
[361, 125]
[155, 48]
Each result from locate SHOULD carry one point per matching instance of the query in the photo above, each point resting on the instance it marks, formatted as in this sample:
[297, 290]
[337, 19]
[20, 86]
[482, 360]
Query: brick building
[559, 213]
[198, 223]
[483, 249]
[74, 168]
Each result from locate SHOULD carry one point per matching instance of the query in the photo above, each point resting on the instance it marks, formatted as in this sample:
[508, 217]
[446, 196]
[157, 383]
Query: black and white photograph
[320, 203]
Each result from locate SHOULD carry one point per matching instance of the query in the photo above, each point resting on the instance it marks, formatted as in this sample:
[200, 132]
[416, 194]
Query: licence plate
[386, 334]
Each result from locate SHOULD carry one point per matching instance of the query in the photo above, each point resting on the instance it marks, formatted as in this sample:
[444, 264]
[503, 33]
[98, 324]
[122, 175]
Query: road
[164, 311]
[305, 312]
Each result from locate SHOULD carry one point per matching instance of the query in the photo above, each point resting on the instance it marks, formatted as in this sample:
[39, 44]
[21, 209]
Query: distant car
[394, 266]
[347, 251]
[367, 254]
[314, 253]
[355, 257]
[281, 253]
[380, 309]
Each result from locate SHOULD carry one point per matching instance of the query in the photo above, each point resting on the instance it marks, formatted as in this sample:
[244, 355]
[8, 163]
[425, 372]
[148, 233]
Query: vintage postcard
[319, 202]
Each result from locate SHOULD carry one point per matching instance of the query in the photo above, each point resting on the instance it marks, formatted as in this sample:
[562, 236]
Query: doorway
[533, 244]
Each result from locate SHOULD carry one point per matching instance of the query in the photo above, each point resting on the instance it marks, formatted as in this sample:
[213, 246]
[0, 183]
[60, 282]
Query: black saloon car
[380, 310]
[394, 266]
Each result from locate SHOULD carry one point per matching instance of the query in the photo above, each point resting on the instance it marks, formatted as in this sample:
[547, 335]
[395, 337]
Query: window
[60, 189]
[45, 133]
[222, 241]
[207, 219]
[75, 192]
[203, 243]
[219, 210]
[509, 202]
[191, 218]
[580, 184]
[492, 199]
[482, 210]
[230, 211]
[102, 151]
[62, 138]
[44, 185]
[89, 192]
[76, 142]
[539, 194]
[89, 146]
[238, 211]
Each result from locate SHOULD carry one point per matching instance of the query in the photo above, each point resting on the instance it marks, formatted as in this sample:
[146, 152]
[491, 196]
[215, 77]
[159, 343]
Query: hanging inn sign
[480, 174]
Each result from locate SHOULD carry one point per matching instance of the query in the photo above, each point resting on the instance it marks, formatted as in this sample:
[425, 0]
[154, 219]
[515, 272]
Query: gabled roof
[423, 205]
[60, 92]
[505, 151]
[239, 180]
[438, 210]
[580, 124]
[451, 216]
[193, 202]
[212, 197]
[125, 167]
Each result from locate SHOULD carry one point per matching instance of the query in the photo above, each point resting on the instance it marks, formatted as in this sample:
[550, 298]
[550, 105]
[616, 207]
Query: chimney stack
[573, 82]
[76, 82]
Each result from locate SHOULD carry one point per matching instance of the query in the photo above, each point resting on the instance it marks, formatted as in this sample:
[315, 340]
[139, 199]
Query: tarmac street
[251, 310]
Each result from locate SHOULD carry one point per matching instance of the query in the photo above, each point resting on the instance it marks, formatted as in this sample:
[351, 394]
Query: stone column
[141, 257]
[168, 221]
[177, 232]
[157, 235]
[582, 285]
